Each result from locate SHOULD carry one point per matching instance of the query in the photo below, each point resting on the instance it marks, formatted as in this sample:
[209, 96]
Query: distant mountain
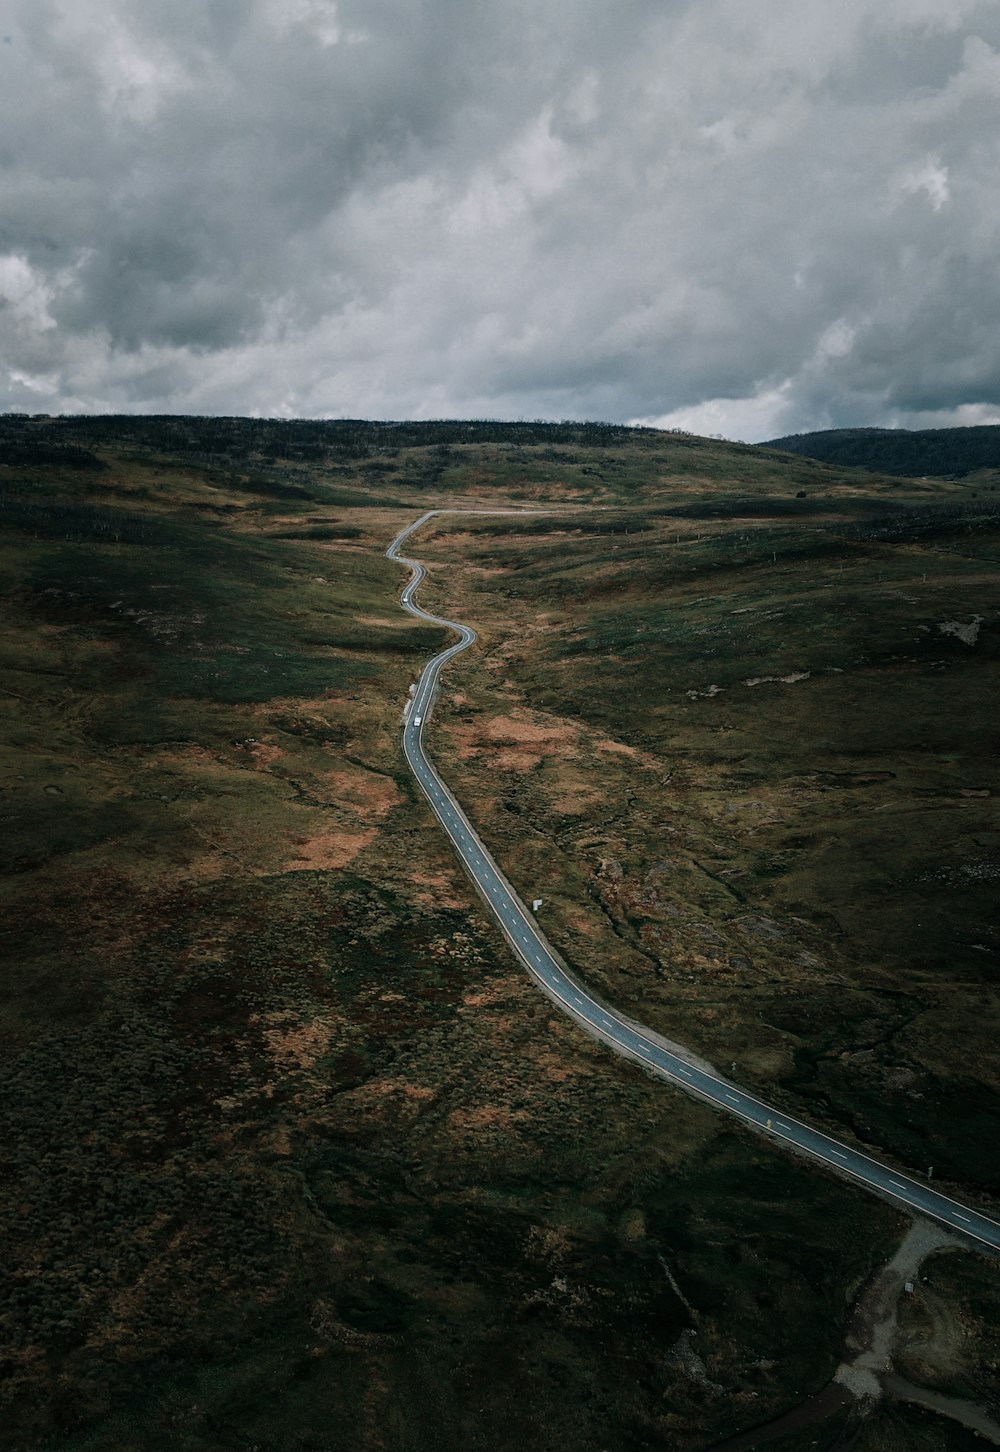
[912, 452]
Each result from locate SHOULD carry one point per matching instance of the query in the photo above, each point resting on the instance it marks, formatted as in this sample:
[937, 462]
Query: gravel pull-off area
[873, 1329]
[868, 1375]
[955, 1408]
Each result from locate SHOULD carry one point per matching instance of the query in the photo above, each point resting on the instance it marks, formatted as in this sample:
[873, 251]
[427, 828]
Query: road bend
[603, 1022]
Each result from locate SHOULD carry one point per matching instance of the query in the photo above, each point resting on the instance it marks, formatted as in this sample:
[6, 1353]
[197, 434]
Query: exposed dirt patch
[508, 758]
[365, 793]
[577, 799]
[525, 732]
[610, 747]
[513, 743]
[264, 755]
[497, 991]
[487, 1116]
[465, 741]
[582, 922]
[190, 754]
[436, 889]
[295, 1043]
[330, 850]
[559, 1070]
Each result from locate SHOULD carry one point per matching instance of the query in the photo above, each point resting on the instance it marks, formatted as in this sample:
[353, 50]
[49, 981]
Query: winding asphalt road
[538, 956]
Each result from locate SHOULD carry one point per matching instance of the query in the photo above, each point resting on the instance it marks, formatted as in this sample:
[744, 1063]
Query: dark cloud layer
[740, 219]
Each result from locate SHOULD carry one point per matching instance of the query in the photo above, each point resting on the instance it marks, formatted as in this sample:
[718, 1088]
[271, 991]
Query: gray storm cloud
[739, 219]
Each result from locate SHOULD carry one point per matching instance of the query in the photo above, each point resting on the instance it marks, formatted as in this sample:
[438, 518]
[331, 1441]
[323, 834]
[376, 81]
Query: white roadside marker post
[536, 904]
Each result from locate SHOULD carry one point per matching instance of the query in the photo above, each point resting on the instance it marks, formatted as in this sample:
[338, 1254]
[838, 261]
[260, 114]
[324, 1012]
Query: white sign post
[536, 904]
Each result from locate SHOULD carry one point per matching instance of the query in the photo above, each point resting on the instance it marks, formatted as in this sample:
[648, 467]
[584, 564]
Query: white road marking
[838, 1154]
[961, 1217]
[898, 1185]
[733, 1098]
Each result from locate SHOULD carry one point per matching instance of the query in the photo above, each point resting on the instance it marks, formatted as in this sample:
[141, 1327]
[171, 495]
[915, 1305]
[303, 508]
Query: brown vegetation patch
[465, 741]
[265, 754]
[494, 992]
[510, 759]
[330, 850]
[580, 921]
[503, 1027]
[512, 743]
[439, 890]
[384, 1088]
[617, 748]
[577, 798]
[187, 754]
[366, 793]
[296, 1043]
[487, 1116]
[558, 1070]
[646, 760]
[516, 729]
[389, 1101]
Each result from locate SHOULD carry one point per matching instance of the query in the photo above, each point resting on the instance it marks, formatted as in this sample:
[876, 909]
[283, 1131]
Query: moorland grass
[294, 1146]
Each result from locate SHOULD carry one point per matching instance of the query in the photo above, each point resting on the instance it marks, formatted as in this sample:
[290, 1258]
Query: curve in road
[537, 955]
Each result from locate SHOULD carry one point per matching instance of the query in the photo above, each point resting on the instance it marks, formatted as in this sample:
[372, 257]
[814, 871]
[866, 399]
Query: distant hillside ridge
[910, 452]
[300, 439]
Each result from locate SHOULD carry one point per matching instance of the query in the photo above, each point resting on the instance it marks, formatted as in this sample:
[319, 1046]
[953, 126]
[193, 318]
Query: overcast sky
[735, 217]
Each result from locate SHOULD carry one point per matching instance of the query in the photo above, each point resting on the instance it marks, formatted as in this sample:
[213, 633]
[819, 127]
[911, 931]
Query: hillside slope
[296, 1157]
[912, 453]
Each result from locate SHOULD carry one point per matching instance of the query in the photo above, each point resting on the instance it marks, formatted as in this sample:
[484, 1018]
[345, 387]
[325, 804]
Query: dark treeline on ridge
[909, 452]
[310, 440]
